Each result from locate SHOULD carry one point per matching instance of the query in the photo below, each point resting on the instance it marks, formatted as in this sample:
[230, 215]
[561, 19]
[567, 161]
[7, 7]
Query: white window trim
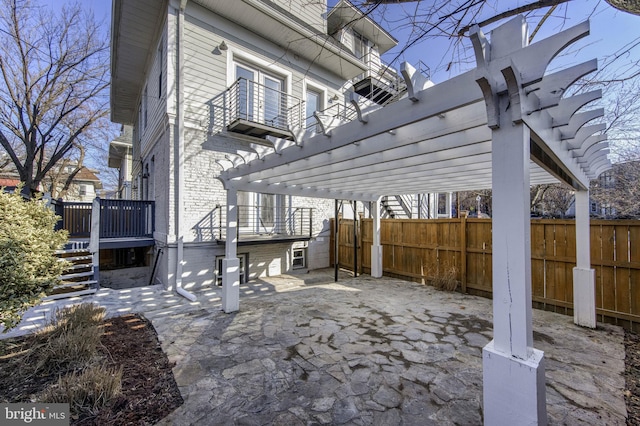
[236, 56]
[308, 85]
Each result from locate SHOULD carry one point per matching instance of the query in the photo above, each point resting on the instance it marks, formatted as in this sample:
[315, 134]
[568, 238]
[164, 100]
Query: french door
[261, 97]
[258, 213]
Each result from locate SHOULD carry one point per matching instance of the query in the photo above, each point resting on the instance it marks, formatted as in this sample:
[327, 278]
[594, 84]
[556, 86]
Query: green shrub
[28, 264]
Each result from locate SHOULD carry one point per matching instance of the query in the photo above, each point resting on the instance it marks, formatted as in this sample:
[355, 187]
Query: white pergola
[504, 125]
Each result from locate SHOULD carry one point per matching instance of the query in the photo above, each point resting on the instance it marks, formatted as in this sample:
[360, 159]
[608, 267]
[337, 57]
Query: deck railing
[76, 218]
[268, 223]
[127, 218]
[118, 218]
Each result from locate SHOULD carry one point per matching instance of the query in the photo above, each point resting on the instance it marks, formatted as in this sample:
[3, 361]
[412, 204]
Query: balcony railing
[127, 219]
[118, 218]
[261, 223]
[254, 109]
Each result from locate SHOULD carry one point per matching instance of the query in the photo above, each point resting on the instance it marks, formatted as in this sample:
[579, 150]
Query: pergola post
[584, 278]
[514, 381]
[231, 263]
[513, 371]
[376, 248]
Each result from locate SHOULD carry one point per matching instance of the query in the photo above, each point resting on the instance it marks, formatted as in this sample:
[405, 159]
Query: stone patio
[305, 350]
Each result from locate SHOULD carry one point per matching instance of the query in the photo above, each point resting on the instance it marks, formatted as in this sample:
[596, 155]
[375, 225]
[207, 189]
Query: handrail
[254, 102]
[256, 221]
[118, 218]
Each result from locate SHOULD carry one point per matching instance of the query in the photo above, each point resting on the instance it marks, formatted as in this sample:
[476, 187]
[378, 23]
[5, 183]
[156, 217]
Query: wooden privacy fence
[422, 249]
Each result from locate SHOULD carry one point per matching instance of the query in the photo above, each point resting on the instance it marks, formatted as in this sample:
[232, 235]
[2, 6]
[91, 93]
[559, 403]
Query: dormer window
[361, 46]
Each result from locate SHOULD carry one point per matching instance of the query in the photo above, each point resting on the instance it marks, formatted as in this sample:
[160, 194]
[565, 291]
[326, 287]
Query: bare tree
[551, 200]
[617, 191]
[53, 80]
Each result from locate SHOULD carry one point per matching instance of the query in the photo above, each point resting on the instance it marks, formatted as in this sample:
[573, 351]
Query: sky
[611, 30]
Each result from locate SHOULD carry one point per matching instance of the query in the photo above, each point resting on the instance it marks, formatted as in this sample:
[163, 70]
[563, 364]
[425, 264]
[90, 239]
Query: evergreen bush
[28, 263]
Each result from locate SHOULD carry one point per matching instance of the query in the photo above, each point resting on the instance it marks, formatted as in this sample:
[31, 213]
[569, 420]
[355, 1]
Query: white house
[200, 80]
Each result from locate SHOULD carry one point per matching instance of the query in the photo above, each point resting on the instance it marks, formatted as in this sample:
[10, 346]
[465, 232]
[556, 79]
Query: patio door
[261, 97]
[258, 213]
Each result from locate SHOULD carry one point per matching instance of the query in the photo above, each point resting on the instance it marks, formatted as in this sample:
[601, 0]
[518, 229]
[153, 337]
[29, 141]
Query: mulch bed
[149, 391]
[632, 377]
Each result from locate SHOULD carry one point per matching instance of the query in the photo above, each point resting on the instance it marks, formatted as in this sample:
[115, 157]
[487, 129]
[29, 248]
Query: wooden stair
[79, 278]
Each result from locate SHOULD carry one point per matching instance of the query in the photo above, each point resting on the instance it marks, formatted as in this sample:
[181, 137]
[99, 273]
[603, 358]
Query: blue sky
[611, 30]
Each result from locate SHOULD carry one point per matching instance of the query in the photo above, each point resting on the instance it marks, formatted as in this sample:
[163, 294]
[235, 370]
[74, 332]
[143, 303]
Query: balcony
[380, 84]
[263, 225]
[122, 223]
[253, 109]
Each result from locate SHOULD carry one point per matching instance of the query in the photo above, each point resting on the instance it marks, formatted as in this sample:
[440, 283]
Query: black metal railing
[261, 222]
[127, 218]
[253, 102]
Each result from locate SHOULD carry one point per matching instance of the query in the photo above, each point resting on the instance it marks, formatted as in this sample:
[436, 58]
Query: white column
[376, 248]
[449, 204]
[433, 206]
[231, 263]
[514, 382]
[584, 278]
[94, 238]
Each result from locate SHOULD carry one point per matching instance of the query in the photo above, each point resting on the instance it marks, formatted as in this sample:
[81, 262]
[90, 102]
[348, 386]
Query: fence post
[94, 239]
[463, 253]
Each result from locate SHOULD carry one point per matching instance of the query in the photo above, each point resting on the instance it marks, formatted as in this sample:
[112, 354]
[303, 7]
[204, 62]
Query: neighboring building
[200, 80]
[121, 158]
[83, 187]
[9, 181]
[615, 194]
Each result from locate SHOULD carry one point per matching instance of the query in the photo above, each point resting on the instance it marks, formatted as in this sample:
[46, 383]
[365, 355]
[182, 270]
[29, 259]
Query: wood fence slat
[418, 249]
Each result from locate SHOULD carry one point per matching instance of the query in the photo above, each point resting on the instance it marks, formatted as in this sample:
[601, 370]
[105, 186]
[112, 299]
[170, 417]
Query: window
[139, 129]
[145, 106]
[299, 258]
[260, 97]
[361, 46]
[160, 68]
[313, 104]
[257, 213]
[244, 272]
[83, 190]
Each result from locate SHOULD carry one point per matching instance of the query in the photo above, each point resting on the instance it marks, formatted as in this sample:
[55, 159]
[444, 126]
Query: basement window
[299, 258]
[244, 271]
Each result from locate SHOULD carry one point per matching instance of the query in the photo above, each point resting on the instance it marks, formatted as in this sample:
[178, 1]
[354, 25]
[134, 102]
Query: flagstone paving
[304, 350]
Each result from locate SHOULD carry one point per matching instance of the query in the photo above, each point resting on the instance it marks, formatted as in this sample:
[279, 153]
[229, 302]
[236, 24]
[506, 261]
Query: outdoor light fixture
[223, 46]
[333, 99]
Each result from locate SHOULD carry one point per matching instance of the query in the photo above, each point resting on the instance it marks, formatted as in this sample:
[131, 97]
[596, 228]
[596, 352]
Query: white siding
[309, 11]
[207, 72]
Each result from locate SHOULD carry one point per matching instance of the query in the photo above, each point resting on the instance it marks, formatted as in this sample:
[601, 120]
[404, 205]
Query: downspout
[179, 146]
